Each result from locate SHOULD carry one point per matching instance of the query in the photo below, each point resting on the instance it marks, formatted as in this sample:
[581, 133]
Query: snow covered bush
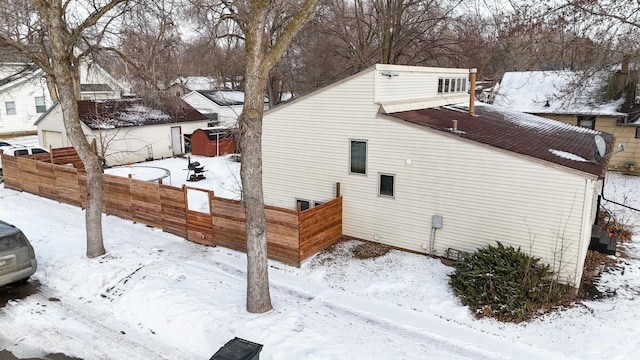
[504, 282]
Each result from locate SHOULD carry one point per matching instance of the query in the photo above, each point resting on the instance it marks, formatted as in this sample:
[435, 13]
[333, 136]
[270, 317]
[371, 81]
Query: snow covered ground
[155, 295]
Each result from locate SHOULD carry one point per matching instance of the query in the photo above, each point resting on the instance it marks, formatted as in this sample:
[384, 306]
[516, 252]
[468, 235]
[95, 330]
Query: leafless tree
[57, 35]
[267, 28]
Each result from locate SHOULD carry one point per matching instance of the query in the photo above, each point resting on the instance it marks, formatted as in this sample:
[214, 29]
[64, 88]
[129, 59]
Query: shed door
[176, 140]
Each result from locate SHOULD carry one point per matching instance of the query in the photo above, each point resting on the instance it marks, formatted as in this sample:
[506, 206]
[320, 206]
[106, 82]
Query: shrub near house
[504, 282]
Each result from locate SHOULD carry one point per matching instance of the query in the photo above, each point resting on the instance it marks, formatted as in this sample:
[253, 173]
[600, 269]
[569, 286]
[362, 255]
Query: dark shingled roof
[111, 114]
[549, 140]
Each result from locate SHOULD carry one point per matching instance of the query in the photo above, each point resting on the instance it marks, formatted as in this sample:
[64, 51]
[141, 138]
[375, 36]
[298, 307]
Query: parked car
[17, 258]
[4, 143]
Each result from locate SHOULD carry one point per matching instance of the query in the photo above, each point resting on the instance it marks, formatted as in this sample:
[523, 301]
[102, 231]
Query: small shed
[213, 142]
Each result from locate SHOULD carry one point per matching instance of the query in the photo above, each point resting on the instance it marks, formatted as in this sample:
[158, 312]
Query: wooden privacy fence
[292, 236]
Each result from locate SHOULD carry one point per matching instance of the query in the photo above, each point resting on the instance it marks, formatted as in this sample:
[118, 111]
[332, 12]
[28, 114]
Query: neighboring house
[126, 130]
[567, 97]
[187, 84]
[221, 106]
[430, 178]
[24, 94]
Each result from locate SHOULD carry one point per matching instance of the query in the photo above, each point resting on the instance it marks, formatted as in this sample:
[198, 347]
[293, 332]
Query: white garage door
[52, 138]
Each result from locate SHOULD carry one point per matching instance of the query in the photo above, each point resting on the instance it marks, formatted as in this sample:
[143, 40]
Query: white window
[10, 106]
[40, 105]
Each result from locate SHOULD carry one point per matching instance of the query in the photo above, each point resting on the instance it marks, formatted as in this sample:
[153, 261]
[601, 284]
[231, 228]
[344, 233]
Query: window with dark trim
[588, 121]
[638, 133]
[302, 204]
[387, 185]
[358, 154]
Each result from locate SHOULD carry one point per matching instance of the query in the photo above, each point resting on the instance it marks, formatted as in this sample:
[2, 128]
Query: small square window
[638, 133]
[40, 104]
[10, 106]
[358, 157]
[302, 204]
[387, 185]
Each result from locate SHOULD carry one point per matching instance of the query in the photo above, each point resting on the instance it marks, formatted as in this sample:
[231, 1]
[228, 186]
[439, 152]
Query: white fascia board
[417, 104]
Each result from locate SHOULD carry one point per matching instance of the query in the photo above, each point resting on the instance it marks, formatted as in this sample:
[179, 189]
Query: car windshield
[13, 241]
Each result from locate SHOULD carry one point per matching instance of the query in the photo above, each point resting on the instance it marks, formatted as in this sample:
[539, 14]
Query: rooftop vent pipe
[472, 89]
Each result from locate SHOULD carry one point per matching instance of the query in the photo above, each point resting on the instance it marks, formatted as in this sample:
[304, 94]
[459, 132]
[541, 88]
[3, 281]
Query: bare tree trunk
[250, 121]
[68, 91]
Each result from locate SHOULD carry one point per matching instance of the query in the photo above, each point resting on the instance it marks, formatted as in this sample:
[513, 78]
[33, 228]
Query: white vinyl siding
[132, 144]
[413, 83]
[483, 194]
[22, 95]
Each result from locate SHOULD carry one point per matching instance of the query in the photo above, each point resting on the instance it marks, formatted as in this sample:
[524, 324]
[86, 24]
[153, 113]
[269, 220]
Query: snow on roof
[567, 155]
[517, 132]
[118, 113]
[196, 83]
[555, 92]
[226, 97]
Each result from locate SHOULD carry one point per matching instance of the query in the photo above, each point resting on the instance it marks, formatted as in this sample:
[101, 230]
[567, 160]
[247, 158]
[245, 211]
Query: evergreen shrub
[504, 282]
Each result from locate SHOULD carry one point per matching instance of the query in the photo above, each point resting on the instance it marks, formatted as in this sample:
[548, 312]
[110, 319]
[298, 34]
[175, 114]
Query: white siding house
[126, 130]
[222, 106]
[24, 96]
[486, 177]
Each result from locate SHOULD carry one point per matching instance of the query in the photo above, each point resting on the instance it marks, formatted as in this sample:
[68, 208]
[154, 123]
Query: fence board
[199, 228]
[172, 207]
[145, 203]
[11, 172]
[320, 227]
[67, 184]
[116, 198]
[291, 236]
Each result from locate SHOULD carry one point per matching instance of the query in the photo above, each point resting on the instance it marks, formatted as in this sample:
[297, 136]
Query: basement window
[302, 204]
[387, 185]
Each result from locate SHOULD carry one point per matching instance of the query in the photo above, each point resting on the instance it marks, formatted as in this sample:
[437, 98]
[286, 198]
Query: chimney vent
[472, 90]
[454, 125]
